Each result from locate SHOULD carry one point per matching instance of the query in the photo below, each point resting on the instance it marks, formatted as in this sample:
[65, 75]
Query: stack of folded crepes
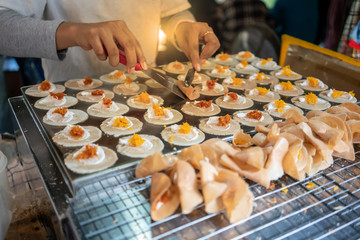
[213, 171]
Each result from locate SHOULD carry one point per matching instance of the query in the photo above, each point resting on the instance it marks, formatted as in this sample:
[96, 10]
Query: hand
[190, 35]
[103, 38]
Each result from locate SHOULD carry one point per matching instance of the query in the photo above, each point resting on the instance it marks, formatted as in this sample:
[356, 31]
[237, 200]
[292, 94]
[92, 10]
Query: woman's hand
[103, 38]
[190, 35]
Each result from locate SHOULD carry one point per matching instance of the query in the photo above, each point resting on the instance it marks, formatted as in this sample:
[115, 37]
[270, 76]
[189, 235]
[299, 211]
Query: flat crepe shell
[341, 99]
[269, 80]
[234, 105]
[107, 128]
[120, 90]
[262, 67]
[122, 109]
[140, 152]
[154, 163]
[78, 167]
[170, 69]
[246, 84]
[275, 113]
[34, 91]
[250, 70]
[320, 105]
[297, 91]
[87, 97]
[78, 117]
[153, 84]
[310, 88]
[241, 139]
[189, 108]
[266, 118]
[69, 102]
[177, 139]
[233, 128]
[139, 105]
[203, 78]
[263, 98]
[176, 118]
[60, 139]
[74, 84]
[214, 92]
[207, 65]
[106, 78]
[277, 74]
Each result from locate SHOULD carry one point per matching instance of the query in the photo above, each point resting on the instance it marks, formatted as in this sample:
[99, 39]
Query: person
[63, 32]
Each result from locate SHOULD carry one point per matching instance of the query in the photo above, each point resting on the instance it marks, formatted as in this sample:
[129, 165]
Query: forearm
[27, 37]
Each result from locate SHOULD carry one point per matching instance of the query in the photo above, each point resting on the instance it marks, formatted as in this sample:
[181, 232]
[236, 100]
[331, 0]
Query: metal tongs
[189, 78]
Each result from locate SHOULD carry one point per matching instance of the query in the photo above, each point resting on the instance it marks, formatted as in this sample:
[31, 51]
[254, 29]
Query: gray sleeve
[22, 36]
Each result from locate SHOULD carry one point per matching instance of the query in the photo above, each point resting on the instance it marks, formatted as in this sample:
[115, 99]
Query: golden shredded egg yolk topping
[224, 120]
[233, 96]
[265, 61]
[107, 102]
[221, 69]
[57, 96]
[128, 81]
[171, 138]
[87, 80]
[260, 76]
[159, 111]
[61, 110]
[313, 82]
[97, 92]
[246, 54]
[240, 142]
[144, 97]
[211, 83]
[262, 91]
[244, 63]
[336, 93]
[118, 74]
[286, 71]
[45, 85]
[237, 81]
[136, 140]
[224, 56]
[185, 128]
[88, 152]
[299, 154]
[280, 105]
[204, 104]
[311, 98]
[287, 85]
[121, 122]
[178, 65]
[76, 132]
[256, 115]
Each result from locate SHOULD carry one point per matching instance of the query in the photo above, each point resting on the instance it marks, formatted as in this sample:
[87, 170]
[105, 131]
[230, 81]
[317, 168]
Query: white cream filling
[254, 77]
[269, 64]
[167, 114]
[102, 108]
[170, 66]
[192, 135]
[255, 92]
[272, 107]
[217, 57]
[133, 87]
[243, 115]
[345, 97]
[152, 101]
[212, 123]
[216, 71]
[66, 133]
[111, 122]
[241, 66]
[242, 55]
[307, 84]
[81, 83]
[112, 74]
[93, 160]
[52, 88]
[56, 117]
[319, 101]
[218, 87]
[278, 87]
[147, 145]
[239, 100]
[50, 101]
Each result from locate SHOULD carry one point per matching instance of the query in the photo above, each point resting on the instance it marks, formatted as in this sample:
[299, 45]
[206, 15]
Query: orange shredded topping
[262, 91]
[311, 98]
[336, 188]
[121, 122]
[260, 76]
[171, 138]
[204, 104]
[136, 140]
[351, 93]
[287, 85]
[233, 96]
[287, 71]
[211, 83]
[272, 186]
[61, 110]
[45, 85]
[310, 185]
[224, 120]
[273, 200]
[144, 97]
[237, 81]
[313, 82]
[265, 61]
[178, 65]
[159, 111]
[221, 69]
[166, 197]
[107, 102]
[88, 152]
[244, 63]
[299, 154]
[76, 132]
[223, 56]
[57, 96]
[246, 54]
[97, 92]
[336, 93]
[256, 115]
[280, 105]
[117, 75]
[285, 190]
[240, 142]
[87, 80]
[305, 210]
[185, 128]
[128, 81]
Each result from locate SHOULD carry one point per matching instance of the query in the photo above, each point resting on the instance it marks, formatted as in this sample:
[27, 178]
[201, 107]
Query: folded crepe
[354, 126]
[253, 156]
[331, 136]
[295, 160]
[311, 151]
[259, 139]
[241, 139]
[293, 115]
[164, 198]
[341, 110]
[191, 92]
[193, 155]
[237, 198]
[211, 189]
[274, 162]
[186, 184]
[154, 163]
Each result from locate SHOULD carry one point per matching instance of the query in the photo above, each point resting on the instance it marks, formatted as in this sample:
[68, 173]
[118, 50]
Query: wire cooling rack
[323, 206]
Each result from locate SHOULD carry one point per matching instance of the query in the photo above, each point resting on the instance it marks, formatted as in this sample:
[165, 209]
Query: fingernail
[144, 66]
[202, 61]
[197, 67]
[131, 70]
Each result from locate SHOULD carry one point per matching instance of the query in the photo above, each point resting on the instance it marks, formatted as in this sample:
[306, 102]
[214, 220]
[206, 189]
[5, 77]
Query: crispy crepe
[164, 197]
[193, 155]
[241, 139]
[295, 160]
[253, 156]
[191, 92]
[293, 115]
[274, 162]
[152, 164]
[354, 126]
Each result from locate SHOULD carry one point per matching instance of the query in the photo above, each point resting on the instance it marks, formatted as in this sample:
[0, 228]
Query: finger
[111, 48]
[212, 44]
[98, 48]
[129, 49]
[140, 56]
[193, 51]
